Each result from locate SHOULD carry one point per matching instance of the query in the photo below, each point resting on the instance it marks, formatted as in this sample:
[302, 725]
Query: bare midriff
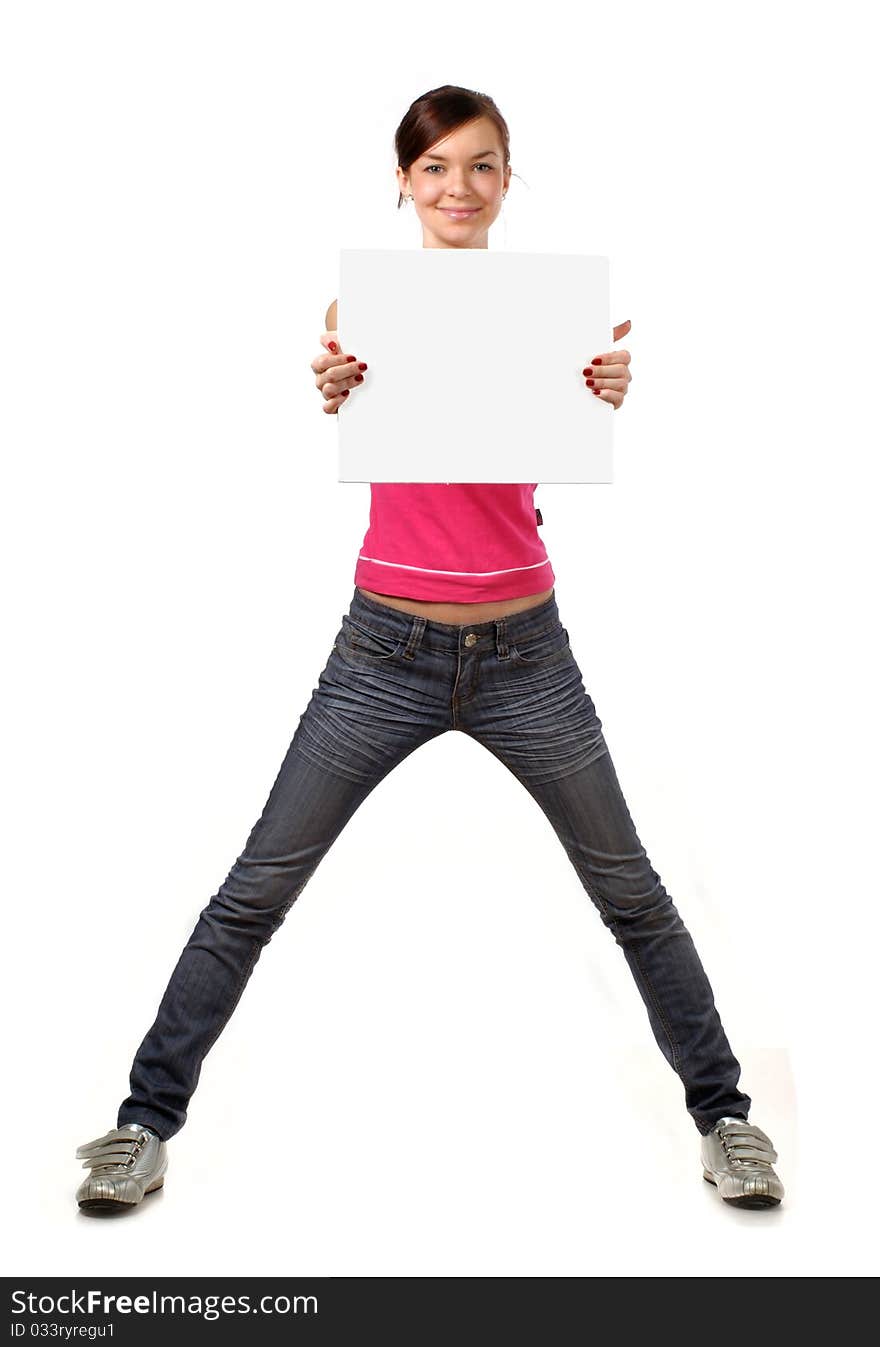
[459, 613]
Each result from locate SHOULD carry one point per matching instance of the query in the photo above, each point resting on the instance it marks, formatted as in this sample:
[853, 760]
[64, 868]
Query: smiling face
[457, 186]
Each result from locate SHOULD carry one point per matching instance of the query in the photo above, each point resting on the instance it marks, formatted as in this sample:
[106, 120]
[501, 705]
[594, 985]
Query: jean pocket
[542, 648]
[357, 641]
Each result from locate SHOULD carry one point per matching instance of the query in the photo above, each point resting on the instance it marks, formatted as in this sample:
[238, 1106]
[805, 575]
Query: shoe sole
[749, 1200]
[113, 1204]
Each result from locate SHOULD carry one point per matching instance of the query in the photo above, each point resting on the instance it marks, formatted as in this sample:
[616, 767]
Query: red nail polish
[590, 383]
[345, 392]
[332, 345]
[351, 357]
[361, 365]
[588, 370]
[596, 391]
[358, 378]
[597, 360]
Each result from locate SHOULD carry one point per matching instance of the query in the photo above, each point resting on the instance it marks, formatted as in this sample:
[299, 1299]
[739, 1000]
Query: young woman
[453, 625]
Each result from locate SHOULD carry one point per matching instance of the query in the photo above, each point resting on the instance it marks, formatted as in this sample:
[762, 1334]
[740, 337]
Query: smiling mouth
[459, 210]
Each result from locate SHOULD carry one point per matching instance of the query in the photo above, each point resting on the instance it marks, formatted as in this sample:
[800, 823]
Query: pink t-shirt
[456, 542]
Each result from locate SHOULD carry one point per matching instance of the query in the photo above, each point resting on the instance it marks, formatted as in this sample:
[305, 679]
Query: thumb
[331, 341]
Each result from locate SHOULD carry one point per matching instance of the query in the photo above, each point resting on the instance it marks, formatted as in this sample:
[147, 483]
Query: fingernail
[588, 370]
[345, 392]
[351, 357]
[332, 345]
[589, 383]
[597, 360]
[596, 391]
[361, 365]
[358, 378]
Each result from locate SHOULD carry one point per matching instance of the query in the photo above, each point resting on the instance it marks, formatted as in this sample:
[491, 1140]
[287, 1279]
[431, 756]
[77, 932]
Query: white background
[441, 1063]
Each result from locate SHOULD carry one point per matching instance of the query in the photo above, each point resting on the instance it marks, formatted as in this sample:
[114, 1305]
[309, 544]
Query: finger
[325, 362]
[621, 357]
[621, 330]
[610, 395]
[602, 385]
[607, 372]
[322, 364]
[336, 379]
[330, 387]
[330, 340]
[331, 406]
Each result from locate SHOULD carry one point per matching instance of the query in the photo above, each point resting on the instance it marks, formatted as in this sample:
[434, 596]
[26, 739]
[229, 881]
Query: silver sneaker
[125, 1163]
[738, 1158]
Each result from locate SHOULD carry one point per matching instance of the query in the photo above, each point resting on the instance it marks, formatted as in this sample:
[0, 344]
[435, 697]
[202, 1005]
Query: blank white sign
[475, 366]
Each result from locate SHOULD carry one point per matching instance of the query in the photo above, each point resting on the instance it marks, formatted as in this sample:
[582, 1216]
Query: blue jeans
[394, 681]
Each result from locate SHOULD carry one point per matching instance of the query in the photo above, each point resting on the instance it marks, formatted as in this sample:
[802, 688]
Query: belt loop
[417, 631]
[501, 637]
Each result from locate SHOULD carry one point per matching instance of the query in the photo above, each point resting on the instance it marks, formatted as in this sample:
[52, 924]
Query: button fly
[471, 639]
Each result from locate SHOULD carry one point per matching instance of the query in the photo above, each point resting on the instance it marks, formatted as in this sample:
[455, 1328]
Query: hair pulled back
[436, 114]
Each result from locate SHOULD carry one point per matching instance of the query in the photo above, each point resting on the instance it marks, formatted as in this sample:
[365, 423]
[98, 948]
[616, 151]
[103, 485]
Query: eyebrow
[482, 154]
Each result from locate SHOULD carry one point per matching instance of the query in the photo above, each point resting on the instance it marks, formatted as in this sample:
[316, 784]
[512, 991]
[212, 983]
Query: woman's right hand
[335, 382]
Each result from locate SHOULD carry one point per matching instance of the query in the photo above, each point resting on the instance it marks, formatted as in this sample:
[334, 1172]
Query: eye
[430, 168]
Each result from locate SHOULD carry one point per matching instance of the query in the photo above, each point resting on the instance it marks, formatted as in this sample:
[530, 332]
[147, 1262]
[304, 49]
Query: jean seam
[349, 649]
[548, 662]
[237, 994]
[676, 1057]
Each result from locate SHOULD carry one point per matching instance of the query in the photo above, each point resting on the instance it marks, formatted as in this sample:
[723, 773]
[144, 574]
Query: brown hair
[436, 114]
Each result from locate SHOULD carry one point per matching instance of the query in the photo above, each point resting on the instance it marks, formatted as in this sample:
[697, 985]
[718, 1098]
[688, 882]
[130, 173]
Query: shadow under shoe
[738, 1158]
[125, 1163]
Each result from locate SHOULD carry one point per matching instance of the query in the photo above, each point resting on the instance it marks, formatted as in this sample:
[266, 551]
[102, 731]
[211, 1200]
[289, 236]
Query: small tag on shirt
[538, 516]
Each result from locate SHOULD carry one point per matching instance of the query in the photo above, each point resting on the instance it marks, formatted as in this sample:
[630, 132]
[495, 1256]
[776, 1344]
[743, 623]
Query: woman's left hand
[608, 374]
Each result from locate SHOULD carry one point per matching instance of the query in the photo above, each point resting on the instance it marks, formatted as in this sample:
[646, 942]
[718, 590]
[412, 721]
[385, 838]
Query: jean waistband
[467, 637]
